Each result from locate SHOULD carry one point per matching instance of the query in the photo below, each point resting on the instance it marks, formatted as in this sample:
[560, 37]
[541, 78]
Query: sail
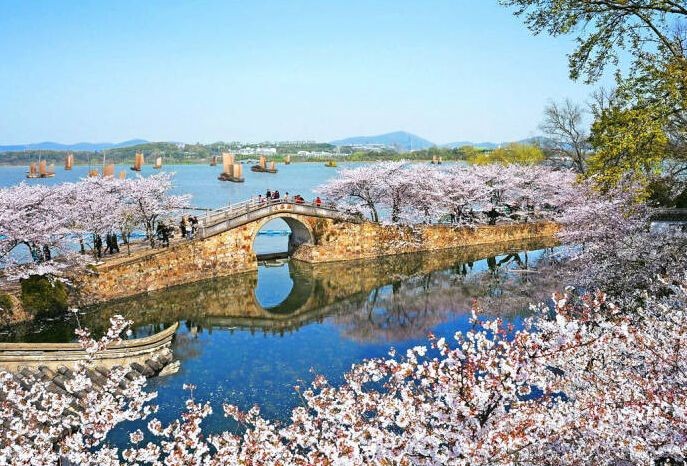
[42, 168]
[272, 165]
[33, 171]
[69, 161]
[122, 175]
[227, 163]
[237, 170]
[109, 170]
[158, 163]
[287, 159]
[138, 161]
[213, 162]
[263, 162]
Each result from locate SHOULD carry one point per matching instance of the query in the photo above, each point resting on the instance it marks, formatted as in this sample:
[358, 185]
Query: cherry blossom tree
[33, 221]
[612, 243]
[584, 381]
[404, 193]
[40, 226]
[150, 201]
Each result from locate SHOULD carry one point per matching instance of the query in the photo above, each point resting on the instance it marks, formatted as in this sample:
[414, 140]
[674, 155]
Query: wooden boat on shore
[138, 162]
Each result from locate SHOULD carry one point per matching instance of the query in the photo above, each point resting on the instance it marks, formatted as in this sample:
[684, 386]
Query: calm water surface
[248, 339]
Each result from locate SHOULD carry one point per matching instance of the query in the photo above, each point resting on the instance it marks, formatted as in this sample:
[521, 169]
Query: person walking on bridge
[182, 227]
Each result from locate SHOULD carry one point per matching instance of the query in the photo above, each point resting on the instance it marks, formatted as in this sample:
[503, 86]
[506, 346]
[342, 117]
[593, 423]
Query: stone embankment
[225, 247]
[148, 355]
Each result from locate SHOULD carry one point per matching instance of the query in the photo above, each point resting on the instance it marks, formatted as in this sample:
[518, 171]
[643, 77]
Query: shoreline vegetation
[193, 154]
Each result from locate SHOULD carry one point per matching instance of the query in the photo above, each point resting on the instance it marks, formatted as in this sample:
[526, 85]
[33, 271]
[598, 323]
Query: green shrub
[6, 304]
[43, 297]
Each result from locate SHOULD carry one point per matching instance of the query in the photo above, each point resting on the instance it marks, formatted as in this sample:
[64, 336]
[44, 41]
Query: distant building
[266, 150]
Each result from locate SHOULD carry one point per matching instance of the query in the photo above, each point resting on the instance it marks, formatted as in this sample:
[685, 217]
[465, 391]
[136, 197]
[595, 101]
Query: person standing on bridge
[268, 195]
[275, 195]
[318, 201]
[194, 225]
[286, 197]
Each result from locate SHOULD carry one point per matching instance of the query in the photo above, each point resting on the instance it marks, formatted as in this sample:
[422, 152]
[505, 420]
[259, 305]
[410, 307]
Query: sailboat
[122, 175]
[262, 167]
[43, 170]
[109, 170]
[158, 163]
[213, 162]
[138, 162]
[69, 161]
[287, 159]
[33, 171]
[232, 171]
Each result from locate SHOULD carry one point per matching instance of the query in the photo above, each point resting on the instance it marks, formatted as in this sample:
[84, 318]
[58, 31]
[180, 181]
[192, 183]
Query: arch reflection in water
[280, 237]
[414, 291]
[235, 349]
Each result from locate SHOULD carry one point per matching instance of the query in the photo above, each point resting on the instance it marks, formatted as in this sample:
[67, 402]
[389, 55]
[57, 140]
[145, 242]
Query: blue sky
[261, 70]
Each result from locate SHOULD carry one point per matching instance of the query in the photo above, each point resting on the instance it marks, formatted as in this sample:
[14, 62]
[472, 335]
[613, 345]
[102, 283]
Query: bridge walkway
[252, 210]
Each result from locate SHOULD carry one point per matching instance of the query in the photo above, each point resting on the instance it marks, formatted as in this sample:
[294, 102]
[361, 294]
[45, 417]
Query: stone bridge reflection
[378, 299]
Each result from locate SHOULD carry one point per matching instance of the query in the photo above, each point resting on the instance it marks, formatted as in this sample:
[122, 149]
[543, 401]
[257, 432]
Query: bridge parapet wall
[341, 241]
[325, 238]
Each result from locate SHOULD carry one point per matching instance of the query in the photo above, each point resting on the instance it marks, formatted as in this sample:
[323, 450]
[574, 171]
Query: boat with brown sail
[69, 161]
[231, 171]
[44, 171]
[262, 166]
[138, 162]
[33, 171]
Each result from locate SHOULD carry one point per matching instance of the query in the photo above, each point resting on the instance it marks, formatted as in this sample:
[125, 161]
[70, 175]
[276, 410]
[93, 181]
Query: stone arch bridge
[223, 245]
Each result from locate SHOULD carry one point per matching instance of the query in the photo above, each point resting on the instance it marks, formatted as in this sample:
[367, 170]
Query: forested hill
[171, 152]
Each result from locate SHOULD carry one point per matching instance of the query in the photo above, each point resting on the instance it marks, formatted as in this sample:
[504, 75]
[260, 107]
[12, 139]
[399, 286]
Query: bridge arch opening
[279, 237]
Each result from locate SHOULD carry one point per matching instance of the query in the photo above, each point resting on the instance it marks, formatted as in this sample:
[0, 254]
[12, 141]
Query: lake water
[249, 338]
[208, 192]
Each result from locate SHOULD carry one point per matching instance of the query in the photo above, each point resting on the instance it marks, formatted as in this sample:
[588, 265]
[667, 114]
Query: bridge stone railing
[252, 210]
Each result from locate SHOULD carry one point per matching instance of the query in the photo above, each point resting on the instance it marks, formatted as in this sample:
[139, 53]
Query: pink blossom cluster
[585, 381]
[407, 193]
[36, 217]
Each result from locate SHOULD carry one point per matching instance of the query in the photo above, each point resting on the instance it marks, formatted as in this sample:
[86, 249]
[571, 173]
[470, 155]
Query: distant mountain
[400, 140]
[80, 146]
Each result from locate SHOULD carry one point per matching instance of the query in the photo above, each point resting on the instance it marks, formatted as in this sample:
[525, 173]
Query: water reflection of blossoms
[410, 308]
